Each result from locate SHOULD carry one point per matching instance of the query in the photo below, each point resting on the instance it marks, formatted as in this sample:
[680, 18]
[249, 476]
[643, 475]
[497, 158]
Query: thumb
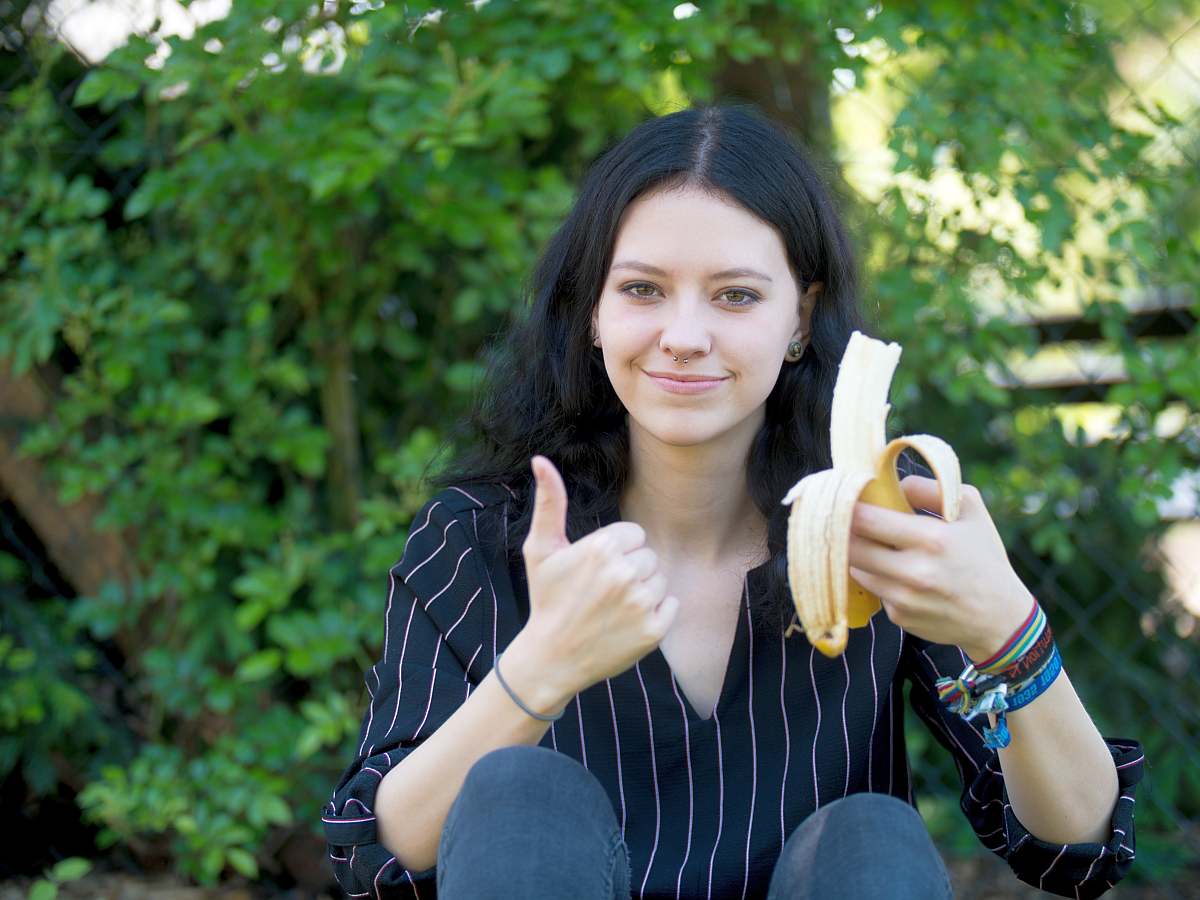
[548, 528]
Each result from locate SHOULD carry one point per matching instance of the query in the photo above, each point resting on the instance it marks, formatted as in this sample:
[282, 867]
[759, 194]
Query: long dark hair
[546, 390]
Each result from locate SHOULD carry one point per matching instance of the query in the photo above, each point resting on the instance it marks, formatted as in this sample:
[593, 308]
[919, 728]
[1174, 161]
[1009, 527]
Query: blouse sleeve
[417, 684]
[1069, 870]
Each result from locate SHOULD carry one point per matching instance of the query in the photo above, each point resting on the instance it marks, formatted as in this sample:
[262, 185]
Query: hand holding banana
[946, 582]
[855, 545]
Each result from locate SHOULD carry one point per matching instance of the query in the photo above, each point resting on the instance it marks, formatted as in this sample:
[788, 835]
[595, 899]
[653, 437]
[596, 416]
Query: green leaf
[243, 861]
[275, 810]
[70, 869]
[259, 665]
[105, 85]
[141, 201]
[308, 743]
[249, 614]
[212, 861]
[43, 890]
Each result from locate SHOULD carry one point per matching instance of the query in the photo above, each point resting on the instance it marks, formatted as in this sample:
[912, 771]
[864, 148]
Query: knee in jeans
[875, 807]
[883, 821]
[871, 807]
[862, 841]
[539, 817]
[521, 765]
[892, 815]
[507, 763]
[533, 776]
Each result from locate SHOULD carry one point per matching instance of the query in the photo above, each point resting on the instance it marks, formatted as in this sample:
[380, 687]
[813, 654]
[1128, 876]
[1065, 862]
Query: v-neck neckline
[733, 675]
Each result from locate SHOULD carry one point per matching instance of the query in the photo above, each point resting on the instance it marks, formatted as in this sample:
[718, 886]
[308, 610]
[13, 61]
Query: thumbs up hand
[598, 605]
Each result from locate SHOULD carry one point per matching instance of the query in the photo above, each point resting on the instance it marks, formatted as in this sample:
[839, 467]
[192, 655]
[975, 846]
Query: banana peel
[827, 599]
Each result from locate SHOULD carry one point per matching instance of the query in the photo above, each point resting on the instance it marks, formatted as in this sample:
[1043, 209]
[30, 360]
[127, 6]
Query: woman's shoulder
[477, 507]
[457, 520]
[466, 496]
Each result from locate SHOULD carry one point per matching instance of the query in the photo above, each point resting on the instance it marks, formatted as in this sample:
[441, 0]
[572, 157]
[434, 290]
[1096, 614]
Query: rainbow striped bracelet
[1011, 678]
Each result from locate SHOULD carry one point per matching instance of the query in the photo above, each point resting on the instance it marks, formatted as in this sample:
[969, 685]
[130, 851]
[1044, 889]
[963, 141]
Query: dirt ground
[984, 878]
[988, 878]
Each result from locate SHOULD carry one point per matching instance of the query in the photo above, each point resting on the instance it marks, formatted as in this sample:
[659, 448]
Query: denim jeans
[531, 823]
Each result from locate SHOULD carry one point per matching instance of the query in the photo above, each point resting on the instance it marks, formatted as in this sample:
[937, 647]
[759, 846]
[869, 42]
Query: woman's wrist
[533, 677]
[1011, 677]
[1000, 629]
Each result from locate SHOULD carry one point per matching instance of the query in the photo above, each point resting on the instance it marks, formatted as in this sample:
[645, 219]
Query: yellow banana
[828, 601]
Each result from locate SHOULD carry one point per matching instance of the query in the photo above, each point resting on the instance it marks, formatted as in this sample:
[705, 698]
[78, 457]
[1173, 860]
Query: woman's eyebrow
[740, 272]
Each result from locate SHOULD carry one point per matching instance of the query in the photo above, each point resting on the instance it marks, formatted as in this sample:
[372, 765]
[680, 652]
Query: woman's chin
[679, 431]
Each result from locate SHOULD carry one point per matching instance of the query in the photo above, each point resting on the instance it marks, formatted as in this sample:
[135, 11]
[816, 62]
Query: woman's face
[697, 277]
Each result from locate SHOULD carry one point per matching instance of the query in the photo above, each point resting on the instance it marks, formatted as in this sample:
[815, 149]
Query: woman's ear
[815, 289]
[807, 301]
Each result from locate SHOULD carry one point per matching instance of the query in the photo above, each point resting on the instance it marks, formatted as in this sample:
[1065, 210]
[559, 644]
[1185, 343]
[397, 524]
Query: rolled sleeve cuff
[362, 866]
[1086, 869]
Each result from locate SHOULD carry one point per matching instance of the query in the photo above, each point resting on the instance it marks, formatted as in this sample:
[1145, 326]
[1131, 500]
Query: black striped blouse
[705, 804]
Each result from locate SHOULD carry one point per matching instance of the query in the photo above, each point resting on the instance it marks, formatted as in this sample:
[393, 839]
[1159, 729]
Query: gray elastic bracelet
[517, 700]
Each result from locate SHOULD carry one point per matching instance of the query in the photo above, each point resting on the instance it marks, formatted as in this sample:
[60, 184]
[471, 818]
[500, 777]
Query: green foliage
[44, 705]
[331, 214]
[213, 805]
[64, 871]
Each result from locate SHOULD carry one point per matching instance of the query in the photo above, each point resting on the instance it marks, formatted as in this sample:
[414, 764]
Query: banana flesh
[828, 601]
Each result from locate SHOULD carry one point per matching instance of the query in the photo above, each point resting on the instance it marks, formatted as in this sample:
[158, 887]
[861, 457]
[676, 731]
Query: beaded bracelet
[1014, 676]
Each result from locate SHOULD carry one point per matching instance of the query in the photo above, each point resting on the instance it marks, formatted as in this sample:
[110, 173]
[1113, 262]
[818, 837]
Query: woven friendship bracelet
[1033, 660]
[1013, 677]
[971, 694]
[964, 692]
[1028, 691]
[1018, 645]
[1025, 694]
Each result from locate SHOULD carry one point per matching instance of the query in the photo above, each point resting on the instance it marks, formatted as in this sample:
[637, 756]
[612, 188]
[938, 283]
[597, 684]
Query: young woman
[586, 690]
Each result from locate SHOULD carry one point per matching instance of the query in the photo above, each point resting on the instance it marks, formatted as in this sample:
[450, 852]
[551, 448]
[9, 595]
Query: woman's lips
[684, 387]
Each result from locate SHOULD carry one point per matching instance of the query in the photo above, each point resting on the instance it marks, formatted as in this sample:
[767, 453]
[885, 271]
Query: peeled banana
[828, 600]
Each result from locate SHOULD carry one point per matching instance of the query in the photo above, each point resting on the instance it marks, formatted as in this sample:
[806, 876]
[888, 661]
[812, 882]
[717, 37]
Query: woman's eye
[633, 289]
[749, 297]
[742, 297]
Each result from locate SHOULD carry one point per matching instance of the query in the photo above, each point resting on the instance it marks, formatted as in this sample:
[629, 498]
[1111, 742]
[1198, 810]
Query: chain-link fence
[1126, 621]
[1129, 631]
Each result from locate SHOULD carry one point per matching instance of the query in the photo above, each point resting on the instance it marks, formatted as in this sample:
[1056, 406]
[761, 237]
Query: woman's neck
[693, 502]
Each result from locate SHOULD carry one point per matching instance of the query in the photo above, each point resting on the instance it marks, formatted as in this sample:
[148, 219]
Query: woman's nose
[685, 333]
